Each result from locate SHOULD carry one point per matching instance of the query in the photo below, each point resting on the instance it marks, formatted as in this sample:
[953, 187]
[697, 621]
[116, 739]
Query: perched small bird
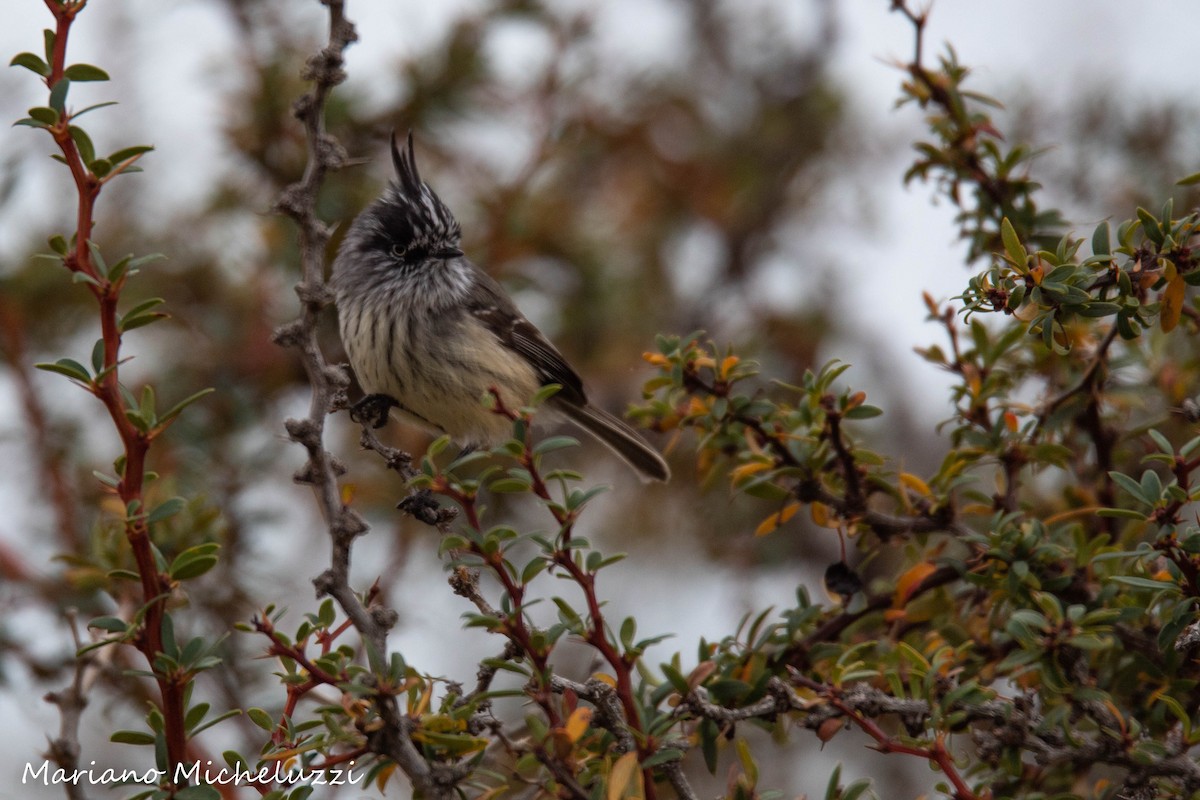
[429, 333]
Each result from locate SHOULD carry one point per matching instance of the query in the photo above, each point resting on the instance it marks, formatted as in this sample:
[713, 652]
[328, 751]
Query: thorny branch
[329, 384]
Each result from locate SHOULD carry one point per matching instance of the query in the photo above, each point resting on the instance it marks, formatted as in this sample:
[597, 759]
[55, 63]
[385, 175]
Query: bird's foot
[373, 410]
[423, 506]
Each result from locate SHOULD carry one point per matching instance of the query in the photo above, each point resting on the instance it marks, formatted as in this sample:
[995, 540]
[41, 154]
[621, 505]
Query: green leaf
[1146, 583]
[509, 486]
[1150, 226]
[261, 718]
[195, 715]
[233, 712]
[127, 153]
[30, 62]
[1189, 180]
[863, 412]
[66, 366]
[200, 792]
[664, 756]
[142, 320]
[48, 39]
[29, 122]
[175, 410]
[85, 72]
[79, 114]
[108, 480]
[58, 95]
[168, 508]
[1101, 245]
[100, 167]
[87, 150]
[676, 678]
[192, 568]
[46, 115]
[1120, 513]
[1012, 243]
[1130, 485]
[554, 443]
[132, 737]
[110, 624]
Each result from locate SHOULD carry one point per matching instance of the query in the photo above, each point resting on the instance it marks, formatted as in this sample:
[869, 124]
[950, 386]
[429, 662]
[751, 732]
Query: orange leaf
[910, 580]
[701, 673]
[381, 778]
[696, 407]
[821, 516]
[1010, 421]
[1172, 303]
[894, 614]
[746, 470]
[604, 677]
[775, 520]
[348, 490]
[728, 363]
[657, 359]
[577, 724]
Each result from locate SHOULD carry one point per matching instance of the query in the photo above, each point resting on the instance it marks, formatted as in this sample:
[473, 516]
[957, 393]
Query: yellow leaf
[348, 490]
[577, 724]
[1172, 303]
[704, 361]
[775, 520]
[727, 364]
[423, 704]
[916, 484]
[910, 580]
[657, 359]
[605, 678]
[621, 776]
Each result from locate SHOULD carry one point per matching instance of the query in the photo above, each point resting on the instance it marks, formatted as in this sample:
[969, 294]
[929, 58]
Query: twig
[1085, 382]
[71, 701]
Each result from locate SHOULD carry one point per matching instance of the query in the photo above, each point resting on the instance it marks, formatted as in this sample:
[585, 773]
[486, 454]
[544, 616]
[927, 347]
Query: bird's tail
[622, 439]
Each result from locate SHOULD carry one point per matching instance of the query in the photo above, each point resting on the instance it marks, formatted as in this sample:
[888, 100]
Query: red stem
[937, 752]
[136, 443]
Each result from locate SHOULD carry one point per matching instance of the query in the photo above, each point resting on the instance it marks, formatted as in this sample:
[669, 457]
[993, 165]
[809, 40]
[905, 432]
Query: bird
[429, 333]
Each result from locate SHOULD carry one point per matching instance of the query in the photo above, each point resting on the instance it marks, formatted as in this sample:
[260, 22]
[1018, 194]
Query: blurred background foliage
[615, 203]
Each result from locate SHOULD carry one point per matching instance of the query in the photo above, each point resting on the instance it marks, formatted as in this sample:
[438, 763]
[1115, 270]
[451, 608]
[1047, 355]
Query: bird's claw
[373, 410]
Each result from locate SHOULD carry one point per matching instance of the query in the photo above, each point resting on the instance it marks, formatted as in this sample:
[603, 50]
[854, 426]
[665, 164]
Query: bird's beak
[448, 252]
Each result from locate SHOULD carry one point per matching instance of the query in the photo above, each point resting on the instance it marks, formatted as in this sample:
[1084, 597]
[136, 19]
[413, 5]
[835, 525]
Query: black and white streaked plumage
[428, 329]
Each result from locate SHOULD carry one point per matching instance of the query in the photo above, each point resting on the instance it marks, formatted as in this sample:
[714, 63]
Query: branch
[71, 701]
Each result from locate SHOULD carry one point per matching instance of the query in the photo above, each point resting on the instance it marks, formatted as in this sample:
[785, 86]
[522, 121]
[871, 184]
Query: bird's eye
[413, 254]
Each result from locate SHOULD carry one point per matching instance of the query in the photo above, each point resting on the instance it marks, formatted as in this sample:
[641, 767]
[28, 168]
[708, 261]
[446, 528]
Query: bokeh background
[626, 168]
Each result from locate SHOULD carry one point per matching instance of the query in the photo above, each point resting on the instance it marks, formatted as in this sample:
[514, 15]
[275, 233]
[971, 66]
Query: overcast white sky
[1050, 45]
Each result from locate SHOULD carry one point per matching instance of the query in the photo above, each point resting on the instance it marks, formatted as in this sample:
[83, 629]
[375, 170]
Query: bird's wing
[491, 306]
